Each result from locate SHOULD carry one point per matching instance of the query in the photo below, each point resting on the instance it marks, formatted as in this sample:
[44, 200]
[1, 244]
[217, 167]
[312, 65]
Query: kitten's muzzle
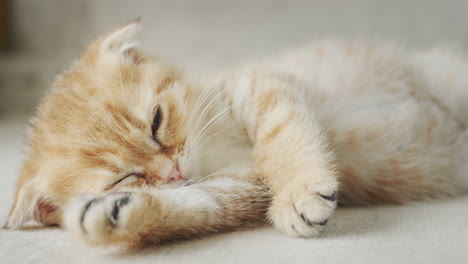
[175, 173]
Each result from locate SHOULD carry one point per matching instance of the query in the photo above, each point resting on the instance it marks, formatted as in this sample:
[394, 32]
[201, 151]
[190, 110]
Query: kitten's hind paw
[303, 213]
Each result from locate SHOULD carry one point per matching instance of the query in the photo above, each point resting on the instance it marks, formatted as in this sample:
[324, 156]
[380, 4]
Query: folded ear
[32, 205]
[119, 45]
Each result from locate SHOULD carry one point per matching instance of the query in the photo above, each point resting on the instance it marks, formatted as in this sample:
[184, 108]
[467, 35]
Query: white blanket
[429, 232]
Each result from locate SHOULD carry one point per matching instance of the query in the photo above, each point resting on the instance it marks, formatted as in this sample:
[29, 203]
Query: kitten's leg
[290, 151]
[142, 217]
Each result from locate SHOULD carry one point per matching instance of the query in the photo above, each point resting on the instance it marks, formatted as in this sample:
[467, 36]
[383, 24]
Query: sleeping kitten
[161, 158]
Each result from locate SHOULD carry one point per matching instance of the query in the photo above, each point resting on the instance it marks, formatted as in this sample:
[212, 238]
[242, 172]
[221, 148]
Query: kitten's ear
[119, 45]
[32, 205]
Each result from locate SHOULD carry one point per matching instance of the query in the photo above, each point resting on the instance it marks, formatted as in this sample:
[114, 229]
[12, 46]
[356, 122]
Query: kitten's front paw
[304, 212]
[102, 219]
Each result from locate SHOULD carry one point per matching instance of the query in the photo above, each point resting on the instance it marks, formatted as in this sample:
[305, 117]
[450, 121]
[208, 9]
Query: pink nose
[175, 174]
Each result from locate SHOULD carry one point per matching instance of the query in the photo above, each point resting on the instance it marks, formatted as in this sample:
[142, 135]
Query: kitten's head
[116, 118]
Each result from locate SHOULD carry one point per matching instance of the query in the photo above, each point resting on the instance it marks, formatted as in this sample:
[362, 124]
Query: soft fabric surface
[425, 232]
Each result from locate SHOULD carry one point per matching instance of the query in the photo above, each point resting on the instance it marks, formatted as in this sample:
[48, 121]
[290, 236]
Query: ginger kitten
[161, 158]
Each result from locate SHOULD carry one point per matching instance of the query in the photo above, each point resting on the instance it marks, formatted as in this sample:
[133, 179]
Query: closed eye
[156, 122]
[125, 179]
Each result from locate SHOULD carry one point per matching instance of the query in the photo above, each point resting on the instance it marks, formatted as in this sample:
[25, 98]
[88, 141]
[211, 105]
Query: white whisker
[208, 106]
[202, 179]
[213, 122]
[206, 140]
[201, 99]
[201, 140]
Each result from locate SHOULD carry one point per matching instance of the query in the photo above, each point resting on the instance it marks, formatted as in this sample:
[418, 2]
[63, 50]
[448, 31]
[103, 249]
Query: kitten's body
[268, 140]
[395, 120]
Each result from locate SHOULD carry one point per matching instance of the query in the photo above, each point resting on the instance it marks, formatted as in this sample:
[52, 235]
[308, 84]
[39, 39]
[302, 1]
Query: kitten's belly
[391, 148]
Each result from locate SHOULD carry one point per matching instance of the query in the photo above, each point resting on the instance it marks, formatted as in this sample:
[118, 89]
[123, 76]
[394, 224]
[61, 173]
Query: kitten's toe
[331, 198]
[76, 211]
[119, 203]
[302, 214]
[99, 219]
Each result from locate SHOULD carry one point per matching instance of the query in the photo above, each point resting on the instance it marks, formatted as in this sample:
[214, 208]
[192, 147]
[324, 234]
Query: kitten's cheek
[186, 172]
[187, 175]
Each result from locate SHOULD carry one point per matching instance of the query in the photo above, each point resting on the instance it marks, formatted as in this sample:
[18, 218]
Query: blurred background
[38, 38]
